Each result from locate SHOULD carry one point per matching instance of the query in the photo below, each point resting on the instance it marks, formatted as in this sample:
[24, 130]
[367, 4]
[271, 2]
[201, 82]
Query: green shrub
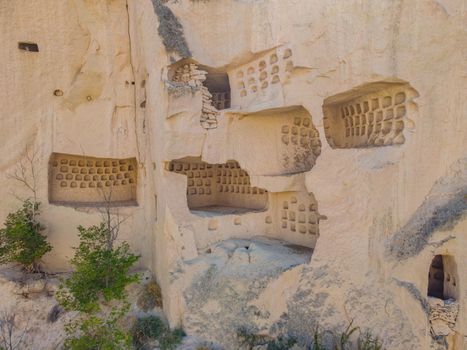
[100, 270]
[97, 333]
[21, 240]
[171, 339]
[148, 329]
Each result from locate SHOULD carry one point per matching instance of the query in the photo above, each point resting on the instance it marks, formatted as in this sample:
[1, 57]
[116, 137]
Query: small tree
[21, 240]
[101, 274]
[99, 333]
[100, 270]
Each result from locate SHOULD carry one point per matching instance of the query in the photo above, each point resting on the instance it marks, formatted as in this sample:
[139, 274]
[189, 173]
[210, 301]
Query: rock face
[327, 137]
[235, 283]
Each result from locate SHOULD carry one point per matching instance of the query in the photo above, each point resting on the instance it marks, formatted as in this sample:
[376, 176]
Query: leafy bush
[101, 270]
[148, 329]
[101, 273]
[171, 339]
[21, 240]
[96, 333]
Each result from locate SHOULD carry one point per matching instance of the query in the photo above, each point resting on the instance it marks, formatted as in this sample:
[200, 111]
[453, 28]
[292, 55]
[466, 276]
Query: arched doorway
[442, 278]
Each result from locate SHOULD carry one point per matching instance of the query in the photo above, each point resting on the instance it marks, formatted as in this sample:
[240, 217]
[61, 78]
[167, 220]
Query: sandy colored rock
[295, 163]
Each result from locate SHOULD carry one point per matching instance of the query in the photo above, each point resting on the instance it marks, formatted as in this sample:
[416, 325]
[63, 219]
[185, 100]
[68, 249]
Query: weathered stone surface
[348, 124]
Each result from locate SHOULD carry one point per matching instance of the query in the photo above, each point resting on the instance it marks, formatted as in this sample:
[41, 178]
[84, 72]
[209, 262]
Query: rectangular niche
[88, 181]
[220, 188]
[368, 116]
[221, 99]
[25, 46]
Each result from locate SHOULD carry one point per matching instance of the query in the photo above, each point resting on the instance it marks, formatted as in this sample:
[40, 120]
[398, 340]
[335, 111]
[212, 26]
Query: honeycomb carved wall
[299, 216]
[254, 80]
[275, 142]
[88, 181]
[301, 144]
[369, 116]
[215, 187]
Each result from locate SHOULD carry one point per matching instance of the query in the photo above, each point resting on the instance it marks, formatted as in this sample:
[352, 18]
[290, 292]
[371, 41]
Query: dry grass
[150, 297]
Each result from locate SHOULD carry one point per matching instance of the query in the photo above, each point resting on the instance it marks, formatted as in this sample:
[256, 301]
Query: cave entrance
[219, 189]
[217, 83]
[442, 278]
[436, 278]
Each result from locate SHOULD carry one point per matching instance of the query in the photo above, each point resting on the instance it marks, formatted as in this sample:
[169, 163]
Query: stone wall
[348, 117]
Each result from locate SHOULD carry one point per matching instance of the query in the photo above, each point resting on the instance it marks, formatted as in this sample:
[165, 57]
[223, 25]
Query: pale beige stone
[348, 221]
